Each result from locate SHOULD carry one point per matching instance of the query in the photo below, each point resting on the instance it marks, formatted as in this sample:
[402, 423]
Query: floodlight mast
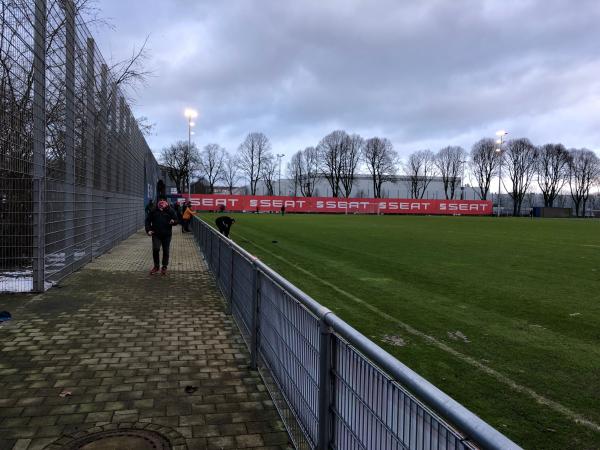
[190, 113]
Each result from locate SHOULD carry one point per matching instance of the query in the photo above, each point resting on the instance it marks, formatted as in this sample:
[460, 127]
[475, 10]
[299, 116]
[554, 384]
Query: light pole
[190, 114]
[462, 180]
[500, 141]
[279, 156]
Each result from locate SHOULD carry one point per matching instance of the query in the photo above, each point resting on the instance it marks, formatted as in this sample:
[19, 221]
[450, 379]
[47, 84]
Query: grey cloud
[423, 73]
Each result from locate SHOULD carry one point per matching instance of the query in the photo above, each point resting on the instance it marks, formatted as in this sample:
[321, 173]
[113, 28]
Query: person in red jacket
[159, 224]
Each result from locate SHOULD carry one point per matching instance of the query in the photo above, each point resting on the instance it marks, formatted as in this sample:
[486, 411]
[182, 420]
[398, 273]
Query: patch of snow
[393, 340]
[458, 335]
[19, 282]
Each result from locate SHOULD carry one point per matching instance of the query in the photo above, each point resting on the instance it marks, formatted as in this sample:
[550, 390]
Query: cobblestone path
[121, 346]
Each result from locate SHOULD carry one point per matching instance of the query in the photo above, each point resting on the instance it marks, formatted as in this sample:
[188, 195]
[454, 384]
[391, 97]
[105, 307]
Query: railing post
[218, 271]
[255, 332]
[325, 385]
[229, 303]
[39, 146]
[210, 258]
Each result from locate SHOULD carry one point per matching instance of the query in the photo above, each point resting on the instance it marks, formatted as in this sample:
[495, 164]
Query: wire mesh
[289, 347]
[364, 407]
[372, 411]
[241, 300]
[75, 169]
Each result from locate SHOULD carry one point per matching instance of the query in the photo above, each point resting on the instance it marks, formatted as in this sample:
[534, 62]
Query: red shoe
[163, 271]
[154, 270]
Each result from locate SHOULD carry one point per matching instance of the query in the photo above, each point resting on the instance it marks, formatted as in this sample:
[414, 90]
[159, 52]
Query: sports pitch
[502, 314]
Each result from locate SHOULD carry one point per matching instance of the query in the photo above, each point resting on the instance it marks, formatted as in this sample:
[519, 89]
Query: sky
[425, 74]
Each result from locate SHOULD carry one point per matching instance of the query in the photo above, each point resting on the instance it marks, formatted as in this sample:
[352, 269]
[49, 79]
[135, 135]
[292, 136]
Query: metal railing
[337, 389]
[74, 167]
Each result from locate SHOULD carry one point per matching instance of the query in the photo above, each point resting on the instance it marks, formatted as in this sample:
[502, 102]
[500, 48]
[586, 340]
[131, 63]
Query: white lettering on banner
[396, 206]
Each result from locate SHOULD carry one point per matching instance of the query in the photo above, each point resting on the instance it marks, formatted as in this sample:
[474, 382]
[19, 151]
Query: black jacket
[158, 221]
[224, 222]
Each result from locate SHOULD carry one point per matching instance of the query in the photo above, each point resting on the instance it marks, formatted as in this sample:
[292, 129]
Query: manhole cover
[129, 439]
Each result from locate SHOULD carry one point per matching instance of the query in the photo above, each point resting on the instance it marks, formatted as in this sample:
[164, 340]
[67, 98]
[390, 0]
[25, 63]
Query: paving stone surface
[121, 346]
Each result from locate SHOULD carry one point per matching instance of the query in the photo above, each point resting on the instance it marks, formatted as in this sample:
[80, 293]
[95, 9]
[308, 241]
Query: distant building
[165, 175]
[399, 187]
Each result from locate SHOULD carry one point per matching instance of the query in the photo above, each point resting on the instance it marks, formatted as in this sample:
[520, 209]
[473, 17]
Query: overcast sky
[424, 74]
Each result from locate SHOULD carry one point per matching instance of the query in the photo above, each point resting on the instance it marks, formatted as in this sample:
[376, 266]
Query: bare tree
[449, 162]
[484, 163]
[303, 169]
[350, 157]
[330, 151]
[294, 170]
[520, 158]
[132, 71]
[252, 154]
[210, 164]
[231, 172]
[146, 127]
[181, 160]
[310, 174]
[552, 171]
[380, 159]
[420, 169]
[268, 173]
[584, 172]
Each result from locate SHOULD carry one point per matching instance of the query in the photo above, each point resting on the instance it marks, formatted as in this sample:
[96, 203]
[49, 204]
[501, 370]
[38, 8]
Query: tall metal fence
[74, 167]
[334, 388]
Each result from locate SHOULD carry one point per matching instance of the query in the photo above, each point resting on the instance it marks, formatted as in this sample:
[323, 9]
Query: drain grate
[130, 439]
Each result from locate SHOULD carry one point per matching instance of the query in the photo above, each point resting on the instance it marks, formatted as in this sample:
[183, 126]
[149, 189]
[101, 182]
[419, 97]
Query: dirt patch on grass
[458, 336]
[396, 341]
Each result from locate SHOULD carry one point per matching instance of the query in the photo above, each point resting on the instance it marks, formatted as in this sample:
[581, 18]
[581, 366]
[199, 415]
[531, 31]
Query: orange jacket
[187, 214]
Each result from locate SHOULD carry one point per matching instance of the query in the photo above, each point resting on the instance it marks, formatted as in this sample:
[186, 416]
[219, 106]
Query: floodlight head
[190, 113]
[501, 133]
[498, 150]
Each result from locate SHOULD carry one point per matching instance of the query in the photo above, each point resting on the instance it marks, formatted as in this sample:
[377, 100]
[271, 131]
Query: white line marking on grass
[576, 417]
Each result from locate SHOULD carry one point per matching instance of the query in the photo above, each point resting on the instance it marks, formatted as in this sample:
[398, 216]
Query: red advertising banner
[250, 203]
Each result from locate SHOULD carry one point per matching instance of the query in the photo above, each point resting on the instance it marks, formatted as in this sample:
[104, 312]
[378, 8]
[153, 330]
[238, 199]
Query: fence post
[39, 146]
[325, 385]
[229, 303]
[89, 146]
[218, 271]
[69, 200]
[255, 317]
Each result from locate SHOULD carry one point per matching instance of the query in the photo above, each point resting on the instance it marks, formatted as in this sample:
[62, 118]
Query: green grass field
[502, 314]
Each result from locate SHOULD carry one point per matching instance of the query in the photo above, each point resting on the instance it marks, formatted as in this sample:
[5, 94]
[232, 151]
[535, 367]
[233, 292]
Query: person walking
[159, 223]
[224, 224]
[187, 217]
